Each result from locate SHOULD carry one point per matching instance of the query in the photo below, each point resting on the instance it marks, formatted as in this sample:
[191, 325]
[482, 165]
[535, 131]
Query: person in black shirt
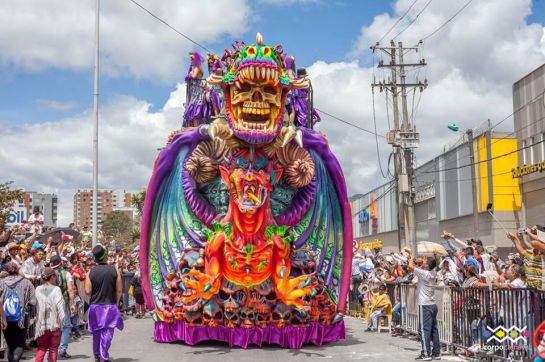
[104, 286]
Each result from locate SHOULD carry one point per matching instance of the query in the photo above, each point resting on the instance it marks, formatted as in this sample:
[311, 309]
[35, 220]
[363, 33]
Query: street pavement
[135, 343]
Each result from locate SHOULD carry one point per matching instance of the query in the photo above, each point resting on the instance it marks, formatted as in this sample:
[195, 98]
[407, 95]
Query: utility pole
[95, 127]
[403, 137]
[469, 133]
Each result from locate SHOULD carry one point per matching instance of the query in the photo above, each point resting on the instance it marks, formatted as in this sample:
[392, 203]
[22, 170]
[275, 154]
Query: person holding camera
[50, 316]
[427, 308]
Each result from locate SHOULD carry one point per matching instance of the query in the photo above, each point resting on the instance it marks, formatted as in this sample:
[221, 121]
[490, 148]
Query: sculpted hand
[204, 285]
[291, 291]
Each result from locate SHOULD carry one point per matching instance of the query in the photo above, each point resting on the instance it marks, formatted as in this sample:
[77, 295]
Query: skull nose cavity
[257, 97]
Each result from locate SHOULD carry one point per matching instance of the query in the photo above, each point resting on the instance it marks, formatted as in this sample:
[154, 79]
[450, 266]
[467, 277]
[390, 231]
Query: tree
[135, 235]
[118, 225]
[8, 198]
[137, 201]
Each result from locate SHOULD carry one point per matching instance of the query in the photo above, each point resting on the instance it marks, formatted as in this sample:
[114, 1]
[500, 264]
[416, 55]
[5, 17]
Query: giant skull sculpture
[256, 87]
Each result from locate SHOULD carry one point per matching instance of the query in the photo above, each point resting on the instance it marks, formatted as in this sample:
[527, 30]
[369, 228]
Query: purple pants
[102, 321]
[102, 339]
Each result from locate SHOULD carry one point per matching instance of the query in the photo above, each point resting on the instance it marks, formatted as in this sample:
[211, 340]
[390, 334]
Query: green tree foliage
[137, 201]
[8, 198]
[118, 225]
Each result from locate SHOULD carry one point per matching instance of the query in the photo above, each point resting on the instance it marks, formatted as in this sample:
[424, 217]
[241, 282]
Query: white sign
[16, 216]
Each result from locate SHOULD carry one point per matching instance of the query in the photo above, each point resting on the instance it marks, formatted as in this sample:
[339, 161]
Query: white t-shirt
[424, 286]
[517, 283]
[36, 227]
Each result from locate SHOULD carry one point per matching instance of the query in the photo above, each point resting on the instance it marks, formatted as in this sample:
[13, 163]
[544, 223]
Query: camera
[521, 230]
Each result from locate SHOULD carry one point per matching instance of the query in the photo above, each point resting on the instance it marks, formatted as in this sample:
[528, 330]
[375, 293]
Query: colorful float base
[287, 337]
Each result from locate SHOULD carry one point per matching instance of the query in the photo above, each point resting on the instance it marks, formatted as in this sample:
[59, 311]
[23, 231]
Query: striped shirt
[533, 266]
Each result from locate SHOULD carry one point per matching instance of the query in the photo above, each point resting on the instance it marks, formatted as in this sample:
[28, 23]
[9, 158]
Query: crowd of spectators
[463, 264]
[28, 257]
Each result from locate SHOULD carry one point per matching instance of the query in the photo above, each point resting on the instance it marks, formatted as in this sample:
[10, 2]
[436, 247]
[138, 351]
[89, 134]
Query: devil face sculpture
[250, 180]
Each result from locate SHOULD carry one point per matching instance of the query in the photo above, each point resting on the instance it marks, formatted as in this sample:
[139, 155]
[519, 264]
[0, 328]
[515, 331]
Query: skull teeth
[260, 73]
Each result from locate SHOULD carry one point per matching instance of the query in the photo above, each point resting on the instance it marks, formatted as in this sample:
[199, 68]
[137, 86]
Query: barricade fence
[490, 323]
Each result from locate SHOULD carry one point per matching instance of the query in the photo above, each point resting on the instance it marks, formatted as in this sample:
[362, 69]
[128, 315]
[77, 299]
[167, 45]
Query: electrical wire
[348, 123]
[412, 21]
[171, 27]
[486, 160]
[375, 123]
[210, 51]
[503, 120]
[448, 21]
[388, 191]
[398, 20]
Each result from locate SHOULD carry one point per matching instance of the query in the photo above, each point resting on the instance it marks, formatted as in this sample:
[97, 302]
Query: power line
[210, 51]
[486, 160]
[503, 120]
[398, 20]
[171, 27]
[412, 21]
[388, 191]
[448, 21]
[348, 123]
[376, 137]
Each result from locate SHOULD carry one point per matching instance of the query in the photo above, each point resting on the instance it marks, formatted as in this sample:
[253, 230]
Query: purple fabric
[318, 143]
[163, 166]
[216, 98]
[197, 107]
[298, 100]
[102, 340]
[104, 316]
[288, 337]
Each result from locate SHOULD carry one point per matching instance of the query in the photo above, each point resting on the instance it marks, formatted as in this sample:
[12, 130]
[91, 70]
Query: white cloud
[57, 156]
[37, 34]
[56, 105]
[472, 65]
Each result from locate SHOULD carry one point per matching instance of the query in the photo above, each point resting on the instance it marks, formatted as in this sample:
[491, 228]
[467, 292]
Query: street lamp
[455, 128]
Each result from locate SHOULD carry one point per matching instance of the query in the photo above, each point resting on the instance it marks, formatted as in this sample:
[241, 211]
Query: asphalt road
[135, 343]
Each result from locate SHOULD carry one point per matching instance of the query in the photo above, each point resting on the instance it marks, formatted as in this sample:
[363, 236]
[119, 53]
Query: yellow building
[443, 197]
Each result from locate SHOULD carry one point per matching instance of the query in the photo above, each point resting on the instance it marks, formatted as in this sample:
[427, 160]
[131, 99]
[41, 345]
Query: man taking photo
[427, 309]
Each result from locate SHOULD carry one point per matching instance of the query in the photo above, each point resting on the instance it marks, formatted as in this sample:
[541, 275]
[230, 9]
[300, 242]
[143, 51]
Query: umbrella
[427, 248]
[60, 234]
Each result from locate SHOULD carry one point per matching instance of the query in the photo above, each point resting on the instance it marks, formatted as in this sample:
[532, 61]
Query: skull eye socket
[245, 87]
[270, 89]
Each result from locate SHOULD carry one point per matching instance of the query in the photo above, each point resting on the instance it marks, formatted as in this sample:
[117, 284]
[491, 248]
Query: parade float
[246, 232]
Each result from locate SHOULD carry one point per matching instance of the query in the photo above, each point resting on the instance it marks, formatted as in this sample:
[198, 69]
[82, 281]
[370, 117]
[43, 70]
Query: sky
[46, 77]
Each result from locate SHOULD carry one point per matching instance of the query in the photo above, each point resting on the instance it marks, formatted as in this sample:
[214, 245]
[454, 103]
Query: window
[542, 147]
[523, 149]
[531, 150]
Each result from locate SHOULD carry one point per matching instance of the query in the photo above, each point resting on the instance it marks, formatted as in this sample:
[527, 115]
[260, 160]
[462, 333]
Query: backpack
[63, 284]
[12, 307]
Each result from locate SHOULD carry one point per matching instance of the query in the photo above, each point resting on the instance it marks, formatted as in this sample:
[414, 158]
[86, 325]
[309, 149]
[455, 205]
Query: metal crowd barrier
[125, 299]
[491, 323]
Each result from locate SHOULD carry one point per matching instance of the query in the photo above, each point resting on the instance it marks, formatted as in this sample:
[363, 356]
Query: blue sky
[46, 77]
[323, 30]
